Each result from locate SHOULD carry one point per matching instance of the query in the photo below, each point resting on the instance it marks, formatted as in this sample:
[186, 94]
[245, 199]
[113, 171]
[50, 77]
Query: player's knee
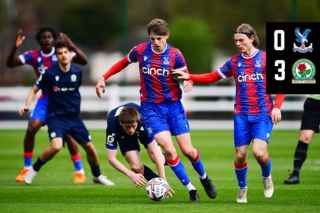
[189, 154]
[56, 148]
[31, 131]
[258, 154]
[171, 154]
[136, 168]
[241, 157]
[305, 138]
[89, 147]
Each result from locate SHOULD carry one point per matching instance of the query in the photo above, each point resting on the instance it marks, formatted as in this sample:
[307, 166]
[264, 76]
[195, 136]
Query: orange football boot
[20, 177]
[80, 178]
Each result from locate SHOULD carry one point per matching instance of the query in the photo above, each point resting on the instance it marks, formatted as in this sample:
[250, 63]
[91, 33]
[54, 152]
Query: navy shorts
[311, 115]
[165, 116]
[248, 127]
[40, 110]
[130, 145]
[59, 126]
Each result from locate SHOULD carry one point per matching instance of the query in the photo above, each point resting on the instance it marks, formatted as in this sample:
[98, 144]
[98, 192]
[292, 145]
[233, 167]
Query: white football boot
[30, 175]
[103, 180]
[268, 186]
[242, 194]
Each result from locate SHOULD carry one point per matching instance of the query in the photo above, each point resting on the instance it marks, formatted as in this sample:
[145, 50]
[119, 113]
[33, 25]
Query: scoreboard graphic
[293, 57]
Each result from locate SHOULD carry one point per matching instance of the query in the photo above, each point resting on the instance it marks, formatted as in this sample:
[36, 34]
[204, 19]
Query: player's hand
[65, 38]
[138, 180]
[183, 75]
[19, 39]
[187, 86]
[23, 110]
[275, 115]
[101, 83]
[171, 192]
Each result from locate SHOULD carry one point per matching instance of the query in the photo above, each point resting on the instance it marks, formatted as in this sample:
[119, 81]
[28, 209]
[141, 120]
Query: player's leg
[300, 155]
[309, 125]
[47, 154]
[81, 134]
[36, 120]
[193, 155]
[165, 141]
[133, 158]
[152, 156]
[76, 159]
[156, 119]
[261, 129]
[242, 139]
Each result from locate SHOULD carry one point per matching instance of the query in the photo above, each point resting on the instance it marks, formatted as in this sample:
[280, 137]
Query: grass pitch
[53, 189]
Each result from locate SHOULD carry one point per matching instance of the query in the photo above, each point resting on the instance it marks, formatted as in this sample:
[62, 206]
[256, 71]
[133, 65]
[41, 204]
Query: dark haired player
[161, 107]
[254, 113]
[62, 81]
[125, 128]
[40, 60]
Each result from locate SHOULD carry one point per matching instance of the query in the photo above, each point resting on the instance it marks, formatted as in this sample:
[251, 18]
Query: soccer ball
[157, 189]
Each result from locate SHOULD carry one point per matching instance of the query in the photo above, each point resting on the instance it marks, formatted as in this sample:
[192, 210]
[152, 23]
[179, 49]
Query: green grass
[53, 189]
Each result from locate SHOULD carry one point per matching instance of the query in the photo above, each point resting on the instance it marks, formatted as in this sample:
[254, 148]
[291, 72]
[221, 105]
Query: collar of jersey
[156, 52]
[251, 56]
[49, 54]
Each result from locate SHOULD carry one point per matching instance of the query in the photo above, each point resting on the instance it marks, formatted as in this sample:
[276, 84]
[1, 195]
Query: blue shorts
[40, 110]
[248, 127]
[165, 116]
[59, 126]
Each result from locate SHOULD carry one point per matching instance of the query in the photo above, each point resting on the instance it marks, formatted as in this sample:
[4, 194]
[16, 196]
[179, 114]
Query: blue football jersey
[63, 89]
[115, 132]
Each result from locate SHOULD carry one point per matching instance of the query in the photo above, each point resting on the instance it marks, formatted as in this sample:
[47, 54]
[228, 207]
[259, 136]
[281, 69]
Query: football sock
[27, 159]
[198, 165]
[241, 172]
[190, 187]
[178, 168]
[148, 173]
[95, 171]
[37, 165]
[299, 157]
[76, 159]
[266, 167]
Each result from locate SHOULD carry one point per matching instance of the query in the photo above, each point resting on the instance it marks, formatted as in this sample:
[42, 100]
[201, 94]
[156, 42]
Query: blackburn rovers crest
[303, 72]
[302, 38]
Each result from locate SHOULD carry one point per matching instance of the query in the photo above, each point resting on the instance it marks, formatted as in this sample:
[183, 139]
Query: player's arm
[157, 158]
[276, 113]
[187, 84]
[120, 65]
[80, 57]
[137, 179]
[11, 60]
[202, 78]
[30, 97]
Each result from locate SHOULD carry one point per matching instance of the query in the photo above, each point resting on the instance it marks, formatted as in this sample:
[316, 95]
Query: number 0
[276, 43]
[280, 69]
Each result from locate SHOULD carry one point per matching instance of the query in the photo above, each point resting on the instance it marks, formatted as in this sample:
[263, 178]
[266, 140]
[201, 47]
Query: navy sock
[148, 173]
[37, 165]
[95, 171]
[299, 157]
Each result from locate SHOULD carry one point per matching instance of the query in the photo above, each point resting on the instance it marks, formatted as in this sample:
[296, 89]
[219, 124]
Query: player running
[125, 127]
[254, 113]
[62, 81]
[161, 107]
[41, 60]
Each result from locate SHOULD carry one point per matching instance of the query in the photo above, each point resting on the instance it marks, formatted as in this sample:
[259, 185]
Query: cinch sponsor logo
[148, 70]
[256, 76]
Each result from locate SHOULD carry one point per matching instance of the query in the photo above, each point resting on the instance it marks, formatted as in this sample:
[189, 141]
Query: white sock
[190, 187]
[27, 167]
[81, 171]
[203, 176]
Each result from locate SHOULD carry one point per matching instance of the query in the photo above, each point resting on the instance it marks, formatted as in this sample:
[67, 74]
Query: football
[157, 189]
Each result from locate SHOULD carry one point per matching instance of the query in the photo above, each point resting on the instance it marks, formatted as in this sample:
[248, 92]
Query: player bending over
[125, 127]
[41, 60]
[161, 107]
[254, 113]
[62, 81]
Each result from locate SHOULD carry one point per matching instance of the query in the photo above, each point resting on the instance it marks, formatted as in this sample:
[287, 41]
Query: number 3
[280, 69]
